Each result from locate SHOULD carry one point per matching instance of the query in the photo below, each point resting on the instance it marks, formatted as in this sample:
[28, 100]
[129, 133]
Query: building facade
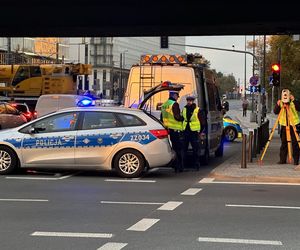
[28, 50]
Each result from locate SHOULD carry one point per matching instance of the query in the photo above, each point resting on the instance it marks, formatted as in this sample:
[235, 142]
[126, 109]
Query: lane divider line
[40, 178]
[261, 206]
[206, 180]
[240, 241]
[170, 205]
[30, 200]
[255, 183]
[191, 191]
[132, 203]
[75, 235]
[143, 224]
[130, 180]
[113, 246]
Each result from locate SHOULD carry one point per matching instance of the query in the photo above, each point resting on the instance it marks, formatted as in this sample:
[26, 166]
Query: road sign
[253, 80]
[271, 80]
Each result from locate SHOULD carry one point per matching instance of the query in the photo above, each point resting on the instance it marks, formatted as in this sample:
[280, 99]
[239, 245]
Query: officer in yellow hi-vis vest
[294, 108]
[172, 119]
[192, 127]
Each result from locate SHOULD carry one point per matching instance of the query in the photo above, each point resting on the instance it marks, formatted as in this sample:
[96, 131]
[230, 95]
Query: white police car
[127, 140]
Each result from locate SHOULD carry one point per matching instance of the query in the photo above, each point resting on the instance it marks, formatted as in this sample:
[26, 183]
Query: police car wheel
[129, 163]
[8, 160]
[230, 134]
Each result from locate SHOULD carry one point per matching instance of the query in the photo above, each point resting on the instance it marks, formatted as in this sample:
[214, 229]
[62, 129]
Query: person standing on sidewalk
[191, 129]
[245, 106]
[172, 119]
[294, 108]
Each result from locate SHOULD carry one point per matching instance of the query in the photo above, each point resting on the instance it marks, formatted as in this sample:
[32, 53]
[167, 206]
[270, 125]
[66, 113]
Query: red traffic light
[276, 67]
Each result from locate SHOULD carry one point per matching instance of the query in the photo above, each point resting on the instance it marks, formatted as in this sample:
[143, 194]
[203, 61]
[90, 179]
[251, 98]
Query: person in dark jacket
[192, 128]
[288, 101]
[172, 119]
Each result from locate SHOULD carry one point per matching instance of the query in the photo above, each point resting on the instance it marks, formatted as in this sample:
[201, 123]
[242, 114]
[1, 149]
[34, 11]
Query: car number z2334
[139, 137]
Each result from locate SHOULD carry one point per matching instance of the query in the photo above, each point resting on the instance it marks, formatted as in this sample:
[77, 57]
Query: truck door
[214, 116]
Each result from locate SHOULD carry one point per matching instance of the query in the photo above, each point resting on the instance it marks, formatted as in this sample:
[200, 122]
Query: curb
[276, 179]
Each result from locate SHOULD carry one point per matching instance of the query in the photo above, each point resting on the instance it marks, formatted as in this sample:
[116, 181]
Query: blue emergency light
[86, 102]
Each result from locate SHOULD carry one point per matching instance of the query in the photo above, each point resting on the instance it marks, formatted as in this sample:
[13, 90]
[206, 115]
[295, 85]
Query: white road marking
[40, 178]
[132, 203]
[130, 180]
[170, 205]
[206, 180]
[143, 224]
[191, 191]
[30, 200]
[69, 234]
[261, 206]
[113, 246]
[240, 241]
[211, 180]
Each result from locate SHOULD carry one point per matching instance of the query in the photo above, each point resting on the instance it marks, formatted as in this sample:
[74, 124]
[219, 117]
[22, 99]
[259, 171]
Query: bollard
[254, 143]
[244, 148]
[250, 146]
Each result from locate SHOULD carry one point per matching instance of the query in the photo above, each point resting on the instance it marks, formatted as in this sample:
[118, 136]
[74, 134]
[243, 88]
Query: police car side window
[55, 123]
[130, 120]
[98, 120]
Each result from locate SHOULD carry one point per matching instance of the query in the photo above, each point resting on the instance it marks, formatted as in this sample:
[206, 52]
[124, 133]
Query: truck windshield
[142, 78]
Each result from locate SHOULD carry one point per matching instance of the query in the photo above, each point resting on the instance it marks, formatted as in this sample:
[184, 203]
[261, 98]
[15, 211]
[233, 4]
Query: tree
[227, 83]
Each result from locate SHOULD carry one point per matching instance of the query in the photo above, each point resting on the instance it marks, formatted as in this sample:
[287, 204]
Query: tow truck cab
[197, 79]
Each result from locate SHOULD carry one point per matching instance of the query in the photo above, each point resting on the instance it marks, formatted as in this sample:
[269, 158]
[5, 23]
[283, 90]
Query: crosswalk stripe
[143, 224]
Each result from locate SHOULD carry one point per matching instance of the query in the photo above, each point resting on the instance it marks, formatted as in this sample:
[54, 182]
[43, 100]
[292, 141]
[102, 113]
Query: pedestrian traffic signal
[276, 74]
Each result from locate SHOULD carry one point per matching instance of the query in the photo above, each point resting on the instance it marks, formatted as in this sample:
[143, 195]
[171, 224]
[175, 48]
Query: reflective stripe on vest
[168, 116]
[194, 121]
[294, 117]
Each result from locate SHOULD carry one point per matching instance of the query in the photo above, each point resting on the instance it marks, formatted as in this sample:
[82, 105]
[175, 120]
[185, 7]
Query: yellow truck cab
[197, 79]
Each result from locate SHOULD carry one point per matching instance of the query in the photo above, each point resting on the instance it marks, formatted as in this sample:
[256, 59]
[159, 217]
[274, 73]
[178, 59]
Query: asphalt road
[161, 210]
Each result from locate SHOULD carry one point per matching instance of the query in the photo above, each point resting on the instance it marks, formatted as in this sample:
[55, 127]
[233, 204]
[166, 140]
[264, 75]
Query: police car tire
[14, 160]
[226, 131]
[135, 153]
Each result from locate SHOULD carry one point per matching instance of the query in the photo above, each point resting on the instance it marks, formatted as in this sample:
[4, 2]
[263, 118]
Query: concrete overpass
[147, 18]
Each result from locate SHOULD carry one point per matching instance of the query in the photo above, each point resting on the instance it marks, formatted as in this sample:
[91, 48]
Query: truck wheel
[8, 160]
[129, 163]
[220, 151]
[204, 158]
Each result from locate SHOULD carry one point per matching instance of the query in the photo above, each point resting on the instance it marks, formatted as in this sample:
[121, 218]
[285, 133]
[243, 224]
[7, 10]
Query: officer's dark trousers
[177, 145]
[284, 146]
[193, 138]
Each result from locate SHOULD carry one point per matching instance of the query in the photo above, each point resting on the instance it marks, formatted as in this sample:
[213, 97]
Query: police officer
[172, 119]
[294, 108]
[192, 127]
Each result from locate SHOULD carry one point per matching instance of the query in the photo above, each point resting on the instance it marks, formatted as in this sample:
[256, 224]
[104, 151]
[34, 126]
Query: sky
[223, 61]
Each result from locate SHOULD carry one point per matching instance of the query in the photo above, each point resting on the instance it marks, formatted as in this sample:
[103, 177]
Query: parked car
[24, 109]
[232, 129]
[10, 117]
[123, 139]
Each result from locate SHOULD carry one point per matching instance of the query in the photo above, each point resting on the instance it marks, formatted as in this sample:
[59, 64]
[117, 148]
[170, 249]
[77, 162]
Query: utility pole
[57, 53]
[9, 57]
[245, 69]
[86, 59]
[121, 77]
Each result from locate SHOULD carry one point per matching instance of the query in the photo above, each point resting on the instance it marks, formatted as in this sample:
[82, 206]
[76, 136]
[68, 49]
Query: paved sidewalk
[268, 171]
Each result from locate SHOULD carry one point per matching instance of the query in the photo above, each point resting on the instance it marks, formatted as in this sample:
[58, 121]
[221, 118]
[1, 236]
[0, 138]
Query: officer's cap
[190, 97]
[172, 92]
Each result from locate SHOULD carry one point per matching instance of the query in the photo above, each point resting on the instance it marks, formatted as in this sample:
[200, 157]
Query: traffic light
[276, 74]
[164, 42]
